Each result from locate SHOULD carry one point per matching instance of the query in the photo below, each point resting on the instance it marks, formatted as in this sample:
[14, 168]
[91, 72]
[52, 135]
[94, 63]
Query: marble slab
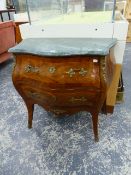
[65, 46]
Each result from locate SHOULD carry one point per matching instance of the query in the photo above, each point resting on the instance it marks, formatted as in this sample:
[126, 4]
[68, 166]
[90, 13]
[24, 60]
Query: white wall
[2, 4]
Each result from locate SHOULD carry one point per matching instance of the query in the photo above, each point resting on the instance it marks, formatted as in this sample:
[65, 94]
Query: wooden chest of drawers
[63, 84]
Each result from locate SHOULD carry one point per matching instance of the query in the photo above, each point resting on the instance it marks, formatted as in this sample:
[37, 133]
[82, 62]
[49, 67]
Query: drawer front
[65, 98]
[60, 72]
[77, 98]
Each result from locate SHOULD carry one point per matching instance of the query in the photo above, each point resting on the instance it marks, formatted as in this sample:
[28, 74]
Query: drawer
[78, 98]
[65, 98]
[60, 72]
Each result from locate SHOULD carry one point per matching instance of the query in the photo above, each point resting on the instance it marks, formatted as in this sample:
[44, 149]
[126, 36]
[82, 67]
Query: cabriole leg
[30, 108]
[95, 126]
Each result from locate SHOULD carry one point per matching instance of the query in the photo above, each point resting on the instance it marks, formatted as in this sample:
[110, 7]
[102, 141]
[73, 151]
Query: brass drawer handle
[81, 99]
[52, 70]
[83, 72]
[72, 72]
[39, 96]
[31, 69]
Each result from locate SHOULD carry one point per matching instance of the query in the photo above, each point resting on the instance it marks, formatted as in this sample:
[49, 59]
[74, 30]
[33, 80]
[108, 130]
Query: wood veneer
[63, 85]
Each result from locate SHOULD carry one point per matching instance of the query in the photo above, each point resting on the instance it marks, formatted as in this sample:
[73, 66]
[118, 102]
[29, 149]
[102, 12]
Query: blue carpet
[63, 146]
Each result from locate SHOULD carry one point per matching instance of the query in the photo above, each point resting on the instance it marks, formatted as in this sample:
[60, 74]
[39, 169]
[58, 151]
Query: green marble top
[64, 46]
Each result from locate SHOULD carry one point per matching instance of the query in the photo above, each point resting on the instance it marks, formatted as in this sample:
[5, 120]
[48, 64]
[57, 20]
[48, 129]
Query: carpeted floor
[63, 146]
